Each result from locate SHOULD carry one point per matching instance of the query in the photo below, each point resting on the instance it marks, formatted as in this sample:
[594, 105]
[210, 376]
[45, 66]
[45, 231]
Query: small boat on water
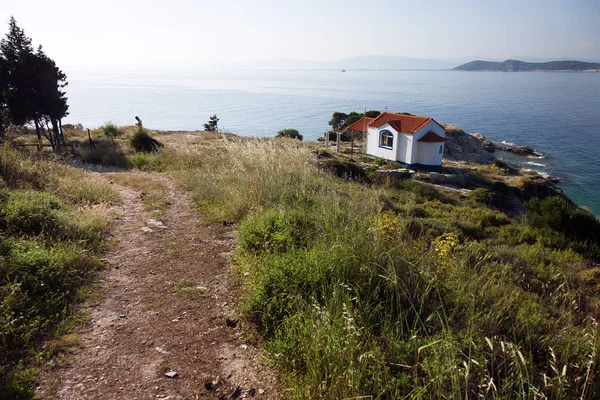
[343, 70]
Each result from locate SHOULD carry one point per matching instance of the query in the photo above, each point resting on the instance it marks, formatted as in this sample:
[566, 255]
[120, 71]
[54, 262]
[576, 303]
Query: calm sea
[558, 114]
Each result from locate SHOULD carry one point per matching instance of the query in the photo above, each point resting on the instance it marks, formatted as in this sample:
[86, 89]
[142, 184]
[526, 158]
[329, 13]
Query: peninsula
[517, 65]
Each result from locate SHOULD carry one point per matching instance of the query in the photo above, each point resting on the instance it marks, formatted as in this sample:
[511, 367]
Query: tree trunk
[62, 136]
[49, 135]
[55, 133]
[39, 134]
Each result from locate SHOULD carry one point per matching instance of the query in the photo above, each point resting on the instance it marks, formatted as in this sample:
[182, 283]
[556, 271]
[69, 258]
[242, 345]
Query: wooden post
[92, 146]
[352, 145]
[337, 142]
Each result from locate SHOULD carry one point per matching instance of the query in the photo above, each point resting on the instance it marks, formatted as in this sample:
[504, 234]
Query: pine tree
[3, 87]
[31, 86]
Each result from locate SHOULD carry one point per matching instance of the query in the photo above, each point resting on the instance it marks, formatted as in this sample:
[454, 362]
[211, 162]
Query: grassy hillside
[52, 218]
[399, 289]
[394, 289]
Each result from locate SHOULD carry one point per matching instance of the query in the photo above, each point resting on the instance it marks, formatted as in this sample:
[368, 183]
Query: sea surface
[558, 114]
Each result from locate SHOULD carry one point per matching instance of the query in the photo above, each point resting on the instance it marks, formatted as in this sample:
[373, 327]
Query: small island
[517, 66]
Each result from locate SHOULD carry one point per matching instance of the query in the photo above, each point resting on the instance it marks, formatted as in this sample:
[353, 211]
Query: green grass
[153, 191]
[400, 290]
[52, 221]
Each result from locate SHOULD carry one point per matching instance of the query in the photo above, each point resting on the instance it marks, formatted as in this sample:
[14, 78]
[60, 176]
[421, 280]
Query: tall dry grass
[396, 291]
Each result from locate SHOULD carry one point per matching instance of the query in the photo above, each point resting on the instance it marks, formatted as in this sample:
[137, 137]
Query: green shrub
[38, 285]
[425, 191]
[480, 195]
[141, 141]
[4, 192]
[560, 215]
[146, 162]
[275, 232]
[109, 129]
[105, 154]
[33, 213]
[289, 133]
[47, 250]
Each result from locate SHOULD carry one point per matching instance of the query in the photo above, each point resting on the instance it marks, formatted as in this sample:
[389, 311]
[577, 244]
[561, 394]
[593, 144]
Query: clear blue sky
[198, 33]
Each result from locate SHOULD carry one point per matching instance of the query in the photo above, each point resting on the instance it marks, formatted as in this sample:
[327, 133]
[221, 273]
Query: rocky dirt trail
[168, 308]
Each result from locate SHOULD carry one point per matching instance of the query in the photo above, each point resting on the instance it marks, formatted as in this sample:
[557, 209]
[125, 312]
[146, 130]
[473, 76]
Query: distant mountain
[354, 63]
[516, 65]
[391, 62]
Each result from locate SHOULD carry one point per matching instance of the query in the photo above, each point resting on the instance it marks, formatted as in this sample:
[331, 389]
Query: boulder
[400, 173]
[449, 179]
[464, 147]
[485, 142]
[520, 150]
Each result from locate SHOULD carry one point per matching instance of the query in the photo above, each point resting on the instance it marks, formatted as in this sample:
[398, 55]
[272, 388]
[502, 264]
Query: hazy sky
[186, 33]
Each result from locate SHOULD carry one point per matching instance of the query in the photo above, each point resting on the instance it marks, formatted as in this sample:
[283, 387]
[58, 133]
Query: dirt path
[168, 306]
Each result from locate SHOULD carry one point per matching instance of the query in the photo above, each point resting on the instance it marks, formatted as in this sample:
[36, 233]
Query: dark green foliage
[211, 125]
[372, 113]
[141, 141]
[480, 195]
[557, 214]
[289, 133]
[31, 87]
[352, 118]
[345, 169]
[4, 193]
[339, 121]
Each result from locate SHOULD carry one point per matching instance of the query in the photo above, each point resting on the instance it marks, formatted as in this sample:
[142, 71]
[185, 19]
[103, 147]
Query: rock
[252, 392]
[261, 392]
[400, 173]
[156, 223]
[161, 350]
[553, 179]
[485, 142]
[171, 374]
[212, 385]
[464, 147]
[231, 323]
[520, 150]
[236, 393]
[452, 179]
[146, 229]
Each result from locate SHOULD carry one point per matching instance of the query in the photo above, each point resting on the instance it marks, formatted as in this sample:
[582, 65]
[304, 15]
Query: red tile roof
[431, 137]
[400, 122]
[361, 125]
[408, 123]
[396, 124]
